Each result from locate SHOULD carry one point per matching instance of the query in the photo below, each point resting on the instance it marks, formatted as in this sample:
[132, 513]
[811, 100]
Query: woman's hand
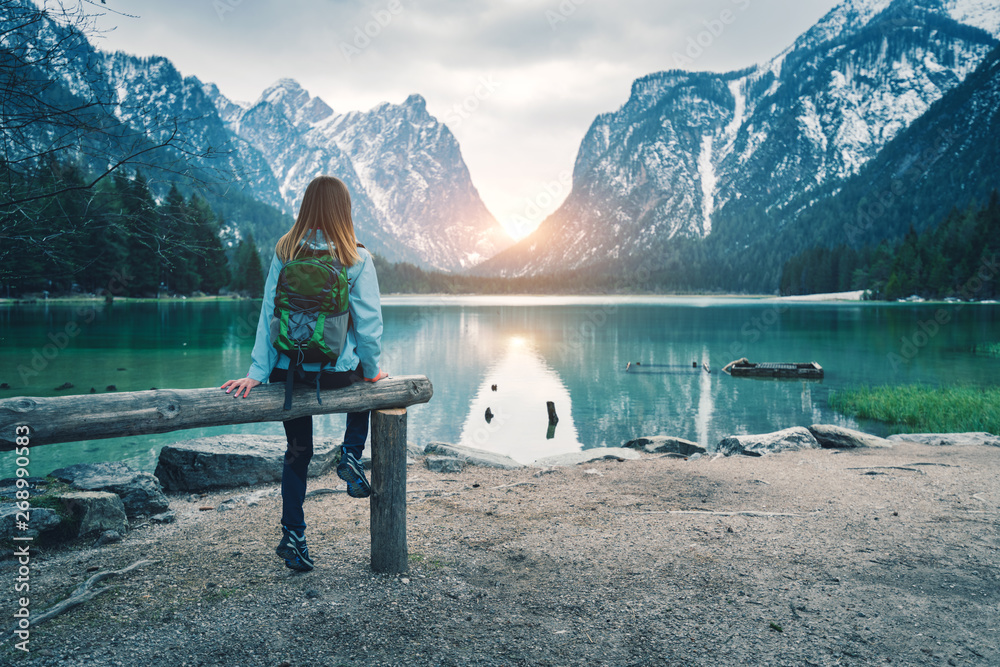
[243, 384]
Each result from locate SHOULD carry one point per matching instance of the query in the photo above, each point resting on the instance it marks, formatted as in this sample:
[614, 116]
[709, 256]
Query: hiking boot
[351, 471]
[294, 550]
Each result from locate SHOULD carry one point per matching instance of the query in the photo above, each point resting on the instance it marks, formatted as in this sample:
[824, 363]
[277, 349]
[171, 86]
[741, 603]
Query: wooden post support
[388, 499]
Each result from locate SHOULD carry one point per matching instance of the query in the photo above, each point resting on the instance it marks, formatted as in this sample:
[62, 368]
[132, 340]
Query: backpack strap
[293, 370]
[289, 382]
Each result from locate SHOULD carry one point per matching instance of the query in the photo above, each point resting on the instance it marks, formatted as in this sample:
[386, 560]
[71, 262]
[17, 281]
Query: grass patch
[430, 562]
[987, 349]
[65, 532]
[918, 408]
[218, 593]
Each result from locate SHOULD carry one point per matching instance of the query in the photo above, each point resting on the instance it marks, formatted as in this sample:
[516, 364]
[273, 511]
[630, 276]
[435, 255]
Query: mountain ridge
[411, 188]
[413, 196]
[689, 154]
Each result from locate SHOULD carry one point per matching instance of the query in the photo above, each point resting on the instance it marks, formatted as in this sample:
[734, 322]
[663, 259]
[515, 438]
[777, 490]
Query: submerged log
[88, 416]
[553, 417]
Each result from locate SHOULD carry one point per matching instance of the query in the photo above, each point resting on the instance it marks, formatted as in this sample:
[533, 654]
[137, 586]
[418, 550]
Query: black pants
[299, 451]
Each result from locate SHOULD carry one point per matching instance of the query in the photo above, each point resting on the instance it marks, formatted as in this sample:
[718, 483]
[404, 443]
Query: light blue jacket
[364, 338]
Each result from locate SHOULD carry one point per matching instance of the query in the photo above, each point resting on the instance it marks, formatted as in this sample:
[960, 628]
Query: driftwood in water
[94, 416]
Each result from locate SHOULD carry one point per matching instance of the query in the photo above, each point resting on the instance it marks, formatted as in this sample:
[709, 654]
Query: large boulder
[789, 439]
[665, 444]
[444, 463]
[140, 491]
[838, 437]
[96, 511]
[229, 461]
[942, 439]
[9, 488]
[587, 456]
[40, 520]
[473, 457]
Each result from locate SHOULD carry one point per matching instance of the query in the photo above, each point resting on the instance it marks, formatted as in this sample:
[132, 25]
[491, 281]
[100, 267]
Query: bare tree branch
[52, 106]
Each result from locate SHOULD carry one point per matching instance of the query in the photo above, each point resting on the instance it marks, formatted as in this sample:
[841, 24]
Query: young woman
[324, 226]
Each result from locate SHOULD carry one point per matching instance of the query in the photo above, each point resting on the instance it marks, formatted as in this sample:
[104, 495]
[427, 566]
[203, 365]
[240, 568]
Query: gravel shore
[819, 557]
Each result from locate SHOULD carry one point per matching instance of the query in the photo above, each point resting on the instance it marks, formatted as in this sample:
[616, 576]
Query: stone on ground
[665, 444]
[96, 511]
[588, 455]
[838, 437]
[40, 520]
[444, 464]
[944, 439]
[140, 491]
[229, 461]
[785, 440]
[474, 457]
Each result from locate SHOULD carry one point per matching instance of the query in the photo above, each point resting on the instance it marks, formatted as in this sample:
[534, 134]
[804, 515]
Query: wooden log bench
[51, 420]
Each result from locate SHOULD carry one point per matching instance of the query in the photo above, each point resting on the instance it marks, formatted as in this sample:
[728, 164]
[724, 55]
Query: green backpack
[311, 318]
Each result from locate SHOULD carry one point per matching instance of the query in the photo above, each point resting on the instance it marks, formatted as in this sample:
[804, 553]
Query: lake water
[571, 351]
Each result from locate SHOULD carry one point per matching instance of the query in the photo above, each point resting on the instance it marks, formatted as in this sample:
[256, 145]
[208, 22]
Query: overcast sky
[518, 82]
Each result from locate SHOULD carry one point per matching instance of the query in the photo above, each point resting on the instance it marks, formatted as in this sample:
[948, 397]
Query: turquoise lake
[569, 350]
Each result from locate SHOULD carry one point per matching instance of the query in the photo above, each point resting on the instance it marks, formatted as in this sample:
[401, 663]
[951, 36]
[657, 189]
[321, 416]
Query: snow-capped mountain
[721, 157]
[412, 194]
[948, 159]
[153, 88]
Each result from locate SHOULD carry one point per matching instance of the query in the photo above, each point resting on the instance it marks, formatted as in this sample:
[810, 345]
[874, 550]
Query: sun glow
[518, 227]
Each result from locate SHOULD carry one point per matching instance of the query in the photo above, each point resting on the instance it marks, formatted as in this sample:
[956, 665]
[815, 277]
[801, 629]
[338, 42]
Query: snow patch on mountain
[413, 197]
[689, 147]
[708, 181]
[982, 14]
[845, 18]
[739, 108]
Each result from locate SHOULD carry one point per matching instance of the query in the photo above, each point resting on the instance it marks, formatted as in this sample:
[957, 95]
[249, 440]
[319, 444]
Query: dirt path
[890, 557]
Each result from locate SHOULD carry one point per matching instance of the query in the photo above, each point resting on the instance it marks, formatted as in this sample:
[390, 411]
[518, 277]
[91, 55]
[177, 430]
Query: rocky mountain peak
[416, 102]
[719, 159]
[412, 193]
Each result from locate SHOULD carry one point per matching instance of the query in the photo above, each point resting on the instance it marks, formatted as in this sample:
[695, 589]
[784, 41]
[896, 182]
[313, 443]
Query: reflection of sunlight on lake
[520, 422]
[706, 403]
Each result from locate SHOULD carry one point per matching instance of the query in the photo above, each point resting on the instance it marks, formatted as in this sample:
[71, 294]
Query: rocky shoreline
[652, 554]
[99, 500]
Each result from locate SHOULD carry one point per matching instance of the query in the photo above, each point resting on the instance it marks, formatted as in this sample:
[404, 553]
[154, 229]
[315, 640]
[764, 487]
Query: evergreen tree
[143, 237]
[248, 276]
[935, 263]
[214, 268]
[181, 252]
[105, 241]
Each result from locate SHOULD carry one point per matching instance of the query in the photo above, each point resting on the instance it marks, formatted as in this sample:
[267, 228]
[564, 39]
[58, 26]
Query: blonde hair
[326, 206]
